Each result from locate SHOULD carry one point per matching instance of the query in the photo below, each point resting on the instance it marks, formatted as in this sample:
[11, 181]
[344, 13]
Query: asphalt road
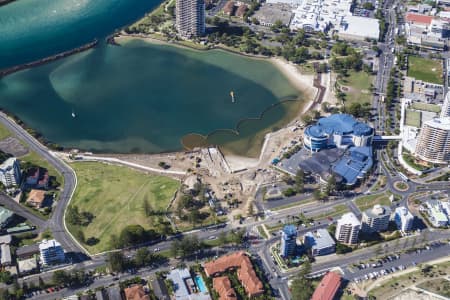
[18, 209]
[56, 223]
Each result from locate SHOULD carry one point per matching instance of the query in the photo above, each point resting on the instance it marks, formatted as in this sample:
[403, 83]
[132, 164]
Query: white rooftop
[349, 218]
[441, 123]
[361, 27]
[45, 244]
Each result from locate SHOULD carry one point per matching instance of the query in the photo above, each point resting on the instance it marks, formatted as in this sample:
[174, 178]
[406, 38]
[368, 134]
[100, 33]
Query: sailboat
[232, 96]
[73, 114]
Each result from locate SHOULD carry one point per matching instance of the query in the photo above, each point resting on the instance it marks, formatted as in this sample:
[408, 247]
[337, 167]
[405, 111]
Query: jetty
[42, 61]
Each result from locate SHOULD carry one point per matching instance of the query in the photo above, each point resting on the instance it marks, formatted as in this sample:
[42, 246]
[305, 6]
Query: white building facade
[404, 219]
[51, 252]
[347, 229]
[10, 172]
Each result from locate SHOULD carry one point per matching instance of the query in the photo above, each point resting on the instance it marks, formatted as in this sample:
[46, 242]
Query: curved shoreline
[4, 2]
[48, 59]
[236, 130]
[303, 83]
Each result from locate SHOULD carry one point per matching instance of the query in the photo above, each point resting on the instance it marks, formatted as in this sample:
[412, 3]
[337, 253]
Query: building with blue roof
[337, 130]
[354, 164]
[288, 241]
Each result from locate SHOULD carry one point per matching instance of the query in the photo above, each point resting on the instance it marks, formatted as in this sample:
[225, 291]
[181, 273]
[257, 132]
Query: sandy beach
[302, 82]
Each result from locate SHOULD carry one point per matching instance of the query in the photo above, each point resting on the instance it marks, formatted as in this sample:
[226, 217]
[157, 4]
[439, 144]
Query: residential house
[328, 287]
[222, 286]
[246, 274]
[229, 7]
[5, 258]
[36, 198]
[135, 292]
[114, 293]
[27, 266]
[159, 289]
[28, 251]
[241, 10]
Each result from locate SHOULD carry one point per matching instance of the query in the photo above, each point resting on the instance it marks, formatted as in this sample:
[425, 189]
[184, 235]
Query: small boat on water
[73, 114]
[232, 96]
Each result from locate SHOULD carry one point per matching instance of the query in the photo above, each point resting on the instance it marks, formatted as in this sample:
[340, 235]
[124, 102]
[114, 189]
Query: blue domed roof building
[337, 130]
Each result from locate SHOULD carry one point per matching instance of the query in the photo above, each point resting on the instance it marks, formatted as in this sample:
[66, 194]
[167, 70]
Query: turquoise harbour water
[32, 29]
[138, 97]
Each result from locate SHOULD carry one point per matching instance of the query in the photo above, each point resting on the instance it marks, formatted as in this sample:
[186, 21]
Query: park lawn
[428, 70]
[412, 118]
[426, 107]
[115, 196]
[358, 85]
[369, 201]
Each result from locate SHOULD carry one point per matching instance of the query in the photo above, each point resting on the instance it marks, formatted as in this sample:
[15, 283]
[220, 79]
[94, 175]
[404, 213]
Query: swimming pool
[201, 285]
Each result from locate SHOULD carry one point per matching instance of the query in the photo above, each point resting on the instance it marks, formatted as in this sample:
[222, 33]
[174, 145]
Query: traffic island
[401, 186]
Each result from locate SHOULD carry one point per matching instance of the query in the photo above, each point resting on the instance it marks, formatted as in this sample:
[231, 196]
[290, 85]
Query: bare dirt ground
[13, 146]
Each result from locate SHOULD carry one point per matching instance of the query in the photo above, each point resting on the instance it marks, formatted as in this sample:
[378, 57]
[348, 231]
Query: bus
[403, 176]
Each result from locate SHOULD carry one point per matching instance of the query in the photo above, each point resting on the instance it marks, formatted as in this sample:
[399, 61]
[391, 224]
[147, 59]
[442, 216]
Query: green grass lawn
[426, 107]
[115, 195]
[425, 69]
[369, 201]
[358, 85]
[4, 132]
[412, 118]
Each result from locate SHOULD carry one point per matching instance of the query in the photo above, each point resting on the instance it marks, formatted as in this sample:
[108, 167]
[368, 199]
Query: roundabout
[401, 186]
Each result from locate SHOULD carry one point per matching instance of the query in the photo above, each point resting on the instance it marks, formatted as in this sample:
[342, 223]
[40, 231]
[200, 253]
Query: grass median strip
[369, 201]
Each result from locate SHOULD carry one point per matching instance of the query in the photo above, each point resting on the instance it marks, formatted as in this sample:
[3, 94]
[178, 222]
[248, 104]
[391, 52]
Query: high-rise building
[403, 218]
[376, 219]
[347, 229]
[288, 240]
[190, 18]
[433, 144]
[51, 252]
[10, 172]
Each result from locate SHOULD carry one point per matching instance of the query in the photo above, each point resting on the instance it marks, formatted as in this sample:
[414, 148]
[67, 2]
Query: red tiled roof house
[245, 272]
[328, 287]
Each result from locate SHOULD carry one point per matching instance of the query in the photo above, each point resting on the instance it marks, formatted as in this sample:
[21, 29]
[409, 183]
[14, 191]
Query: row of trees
[73, 278]
[301, 287]
[133, 235]
[117, 262]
